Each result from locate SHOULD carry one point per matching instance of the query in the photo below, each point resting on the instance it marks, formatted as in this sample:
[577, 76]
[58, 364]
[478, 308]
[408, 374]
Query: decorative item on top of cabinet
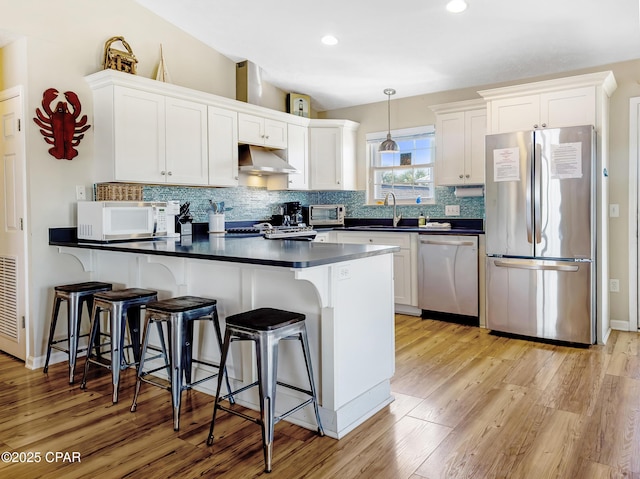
[117, 59]
[299, 105]
[460, 131]
[61, 127]
[163, 72]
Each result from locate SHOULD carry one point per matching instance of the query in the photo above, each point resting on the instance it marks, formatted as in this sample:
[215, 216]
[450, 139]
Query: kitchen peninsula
[345, 291]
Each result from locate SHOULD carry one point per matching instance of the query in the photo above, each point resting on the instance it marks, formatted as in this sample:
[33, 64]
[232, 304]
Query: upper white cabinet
[332, 154]
[256, 130]
[298, 156]
[223, 146]
[460, 132]
[152, 138]
[567, 101]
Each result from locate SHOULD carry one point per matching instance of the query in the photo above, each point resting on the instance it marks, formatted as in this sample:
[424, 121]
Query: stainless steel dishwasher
[448, 274]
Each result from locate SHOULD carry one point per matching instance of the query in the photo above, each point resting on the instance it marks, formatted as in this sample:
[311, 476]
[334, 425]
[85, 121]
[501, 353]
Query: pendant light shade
[388, 145]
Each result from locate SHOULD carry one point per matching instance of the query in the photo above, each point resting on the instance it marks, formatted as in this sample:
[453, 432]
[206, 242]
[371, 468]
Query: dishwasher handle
[447, 242]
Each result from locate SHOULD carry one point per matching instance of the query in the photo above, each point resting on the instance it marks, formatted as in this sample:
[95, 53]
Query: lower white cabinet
[405, 273]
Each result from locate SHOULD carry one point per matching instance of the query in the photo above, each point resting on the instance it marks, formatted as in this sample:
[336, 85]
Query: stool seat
[75, 295]
[265, 327]
[180, 304]
[86, 287]
[179, 315]
[129, 294]
[123, 307]
[265, 319]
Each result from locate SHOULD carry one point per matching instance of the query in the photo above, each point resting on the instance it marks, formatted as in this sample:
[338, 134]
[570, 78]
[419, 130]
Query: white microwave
[121, 220]
[326, 215]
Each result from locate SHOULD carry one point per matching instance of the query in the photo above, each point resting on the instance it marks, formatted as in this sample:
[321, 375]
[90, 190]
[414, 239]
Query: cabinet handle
[459, 176]
[162, 173]
[544, 125]
[467, 176]
[535, 126]
[169, 173]
[338, 182]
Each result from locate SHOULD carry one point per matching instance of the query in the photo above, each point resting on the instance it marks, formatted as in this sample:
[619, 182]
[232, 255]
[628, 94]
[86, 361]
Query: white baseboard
[620, 325]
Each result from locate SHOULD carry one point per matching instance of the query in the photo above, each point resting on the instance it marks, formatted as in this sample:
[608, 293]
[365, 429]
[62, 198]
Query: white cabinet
[223, 146]
[551, 104]
[405, 274]
[256, 130]
[148, 137]
[460, 132]
[332, 154]
[297, 155]
[186, 142]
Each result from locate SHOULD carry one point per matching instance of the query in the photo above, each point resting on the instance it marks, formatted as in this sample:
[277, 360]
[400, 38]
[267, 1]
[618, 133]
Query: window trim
[396, 134]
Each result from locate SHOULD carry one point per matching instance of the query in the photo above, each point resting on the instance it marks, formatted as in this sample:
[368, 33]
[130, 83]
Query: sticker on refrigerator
[506, 164]
[566, 161]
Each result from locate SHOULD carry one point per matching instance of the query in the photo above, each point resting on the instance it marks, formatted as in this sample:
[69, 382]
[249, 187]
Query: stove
[275, 232]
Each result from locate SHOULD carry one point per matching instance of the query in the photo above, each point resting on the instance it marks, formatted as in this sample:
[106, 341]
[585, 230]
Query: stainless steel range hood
[261, 161]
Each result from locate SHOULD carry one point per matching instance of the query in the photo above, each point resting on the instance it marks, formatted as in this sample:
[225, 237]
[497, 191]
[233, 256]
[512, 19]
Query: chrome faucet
[396, 218]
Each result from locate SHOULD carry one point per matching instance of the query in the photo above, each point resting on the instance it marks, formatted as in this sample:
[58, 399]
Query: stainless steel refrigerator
[540, 233]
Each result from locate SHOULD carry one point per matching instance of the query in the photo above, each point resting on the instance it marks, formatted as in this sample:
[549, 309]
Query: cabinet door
[250, 129]
[450, 139]
[515, 114]
[223, 147]
[275, 133]
[568, 107]
[139, 123]
[298, 156]
[475, 131]
[186, 142]
[325, 158]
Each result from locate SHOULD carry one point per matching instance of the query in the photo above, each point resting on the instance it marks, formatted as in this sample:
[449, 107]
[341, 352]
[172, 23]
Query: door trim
[634, 200]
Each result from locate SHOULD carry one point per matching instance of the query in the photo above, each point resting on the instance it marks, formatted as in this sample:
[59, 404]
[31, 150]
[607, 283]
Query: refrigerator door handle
[528, 205]
[537, 194]
[536, 266]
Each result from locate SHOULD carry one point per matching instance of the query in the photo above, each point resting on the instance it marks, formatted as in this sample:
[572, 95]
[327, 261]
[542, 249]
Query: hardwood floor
[468, 405]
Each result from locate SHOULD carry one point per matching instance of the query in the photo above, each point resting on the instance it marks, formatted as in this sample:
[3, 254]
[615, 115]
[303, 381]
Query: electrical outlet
[344, 272]
[452, 210]
[614, 285]
[81, 193]
[614, 210]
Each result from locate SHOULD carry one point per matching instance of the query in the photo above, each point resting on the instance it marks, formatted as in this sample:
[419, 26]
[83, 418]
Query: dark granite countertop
[215, 247]
[459, 226]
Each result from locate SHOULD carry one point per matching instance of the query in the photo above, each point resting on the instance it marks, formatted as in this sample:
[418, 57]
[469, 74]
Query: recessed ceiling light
[329, 40]
[457, 6]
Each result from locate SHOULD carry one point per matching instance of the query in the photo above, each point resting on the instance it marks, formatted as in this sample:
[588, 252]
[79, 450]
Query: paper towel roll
[468, 191]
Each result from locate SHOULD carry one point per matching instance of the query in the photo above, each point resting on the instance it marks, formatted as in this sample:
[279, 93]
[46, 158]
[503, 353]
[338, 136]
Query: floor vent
[9, 297]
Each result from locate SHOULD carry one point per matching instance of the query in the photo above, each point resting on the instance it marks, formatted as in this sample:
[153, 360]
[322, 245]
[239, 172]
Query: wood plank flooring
[469, 404]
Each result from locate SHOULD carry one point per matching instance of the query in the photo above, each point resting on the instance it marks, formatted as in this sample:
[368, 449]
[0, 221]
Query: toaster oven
[326, 215]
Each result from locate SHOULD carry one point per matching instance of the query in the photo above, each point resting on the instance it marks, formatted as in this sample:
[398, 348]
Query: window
[409, 173]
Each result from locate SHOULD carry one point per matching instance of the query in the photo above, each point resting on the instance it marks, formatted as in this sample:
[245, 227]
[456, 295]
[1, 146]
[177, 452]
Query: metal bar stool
[180, 315]
[266, 327]
[75, 295]
[123, 306]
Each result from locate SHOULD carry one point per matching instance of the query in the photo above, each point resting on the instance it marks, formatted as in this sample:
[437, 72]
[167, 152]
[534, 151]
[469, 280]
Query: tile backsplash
[251, 203]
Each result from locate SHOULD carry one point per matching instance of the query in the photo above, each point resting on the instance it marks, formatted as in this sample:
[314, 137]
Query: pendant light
[388, 145]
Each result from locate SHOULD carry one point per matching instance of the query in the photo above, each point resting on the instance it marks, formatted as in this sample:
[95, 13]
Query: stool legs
[52, 329]
[307, 359]
[267, 362]
[223, 367]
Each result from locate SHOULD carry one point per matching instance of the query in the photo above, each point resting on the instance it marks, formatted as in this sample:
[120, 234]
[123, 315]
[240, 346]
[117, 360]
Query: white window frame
[396, 135]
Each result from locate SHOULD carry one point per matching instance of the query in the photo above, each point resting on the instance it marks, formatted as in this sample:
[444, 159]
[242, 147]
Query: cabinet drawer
[403, 240]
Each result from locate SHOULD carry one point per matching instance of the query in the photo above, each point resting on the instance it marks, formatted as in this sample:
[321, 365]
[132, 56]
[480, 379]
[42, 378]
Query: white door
[13, 268]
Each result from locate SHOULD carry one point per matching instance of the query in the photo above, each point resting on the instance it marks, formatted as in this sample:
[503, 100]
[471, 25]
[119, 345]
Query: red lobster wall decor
[61, 127]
